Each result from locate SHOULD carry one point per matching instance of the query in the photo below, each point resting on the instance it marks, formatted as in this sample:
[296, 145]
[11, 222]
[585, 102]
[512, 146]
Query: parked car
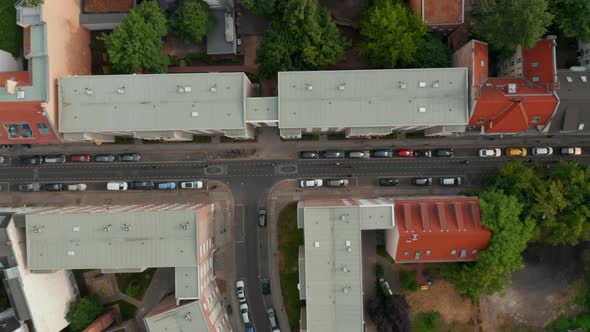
[60, 159]
[168, 185]
[388, 182]
[332, 154]
[543, 151]
[444, 153]
[28, 187]
[405, 153]
[423, 153]
[270, 312]
[104, 158]
[31, 160]
[571, 151]
[423, 181]
[262, 217]
[244, 311]
[53, 187]
[337, 183]
[128, 157]
[309, 154]
[241, 290]
[117, 186]
[141, 185]
[516, 152]
[382, 153]
[311, 183]
[451, 181]
[495, 152]
[77, 187]
[265, 283]
[385, 287]
[192, 185]
[80, 158]
[359, 154]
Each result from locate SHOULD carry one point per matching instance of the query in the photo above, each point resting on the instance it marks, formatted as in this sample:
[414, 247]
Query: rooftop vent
[213, 88]
[309, 87]
[76, 228]
[88, 92]
[402, 85]
[37, 229]
[121, 90]
[348, 243]
[422, 109]
[183, 89]
[511, 88]
[20, 94]
[341, 86]
[316, 244]
[107, 228]
[569, 79]
[184, 226]
[584, 78]
[435, 84]
[194, 114]
[126, 227]
[422, 84]
[187, 316]
[71, 253]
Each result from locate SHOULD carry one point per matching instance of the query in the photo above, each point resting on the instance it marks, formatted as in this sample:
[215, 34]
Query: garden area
[11, 35]
[135, 284]
[290, 238]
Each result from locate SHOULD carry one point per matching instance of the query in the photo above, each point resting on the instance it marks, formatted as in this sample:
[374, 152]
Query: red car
[80, 158]
[405, 153]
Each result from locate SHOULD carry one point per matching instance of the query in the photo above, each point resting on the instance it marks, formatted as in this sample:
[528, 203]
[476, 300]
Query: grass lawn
[11, 35]
[290, 237]
[135, 284]
[127, 309]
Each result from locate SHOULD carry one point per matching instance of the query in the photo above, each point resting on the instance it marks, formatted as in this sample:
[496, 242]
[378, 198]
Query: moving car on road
[53, 187]
[80, 158]
[60, 159]
[516, 152]
[543, 151]
[262, 217]
[265, 283]
[388, 182]
[104, 158]
[117, 186]
[382, 153]
[423, 181]
[31, 160]
[309, 154]
[241, 290]
[337, 182]
[28, 187]
[128, 157]
[405, 153]
[571, 151]
[192, 185]
[311, 183]
[168, 185]
[444, 153]
[451, 181]
[495, 152]
[270, 312]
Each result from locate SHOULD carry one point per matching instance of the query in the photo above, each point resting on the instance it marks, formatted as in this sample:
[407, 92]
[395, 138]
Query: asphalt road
[250, 182]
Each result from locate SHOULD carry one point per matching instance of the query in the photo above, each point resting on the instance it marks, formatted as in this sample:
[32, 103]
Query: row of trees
[520, 205]
[136, 45]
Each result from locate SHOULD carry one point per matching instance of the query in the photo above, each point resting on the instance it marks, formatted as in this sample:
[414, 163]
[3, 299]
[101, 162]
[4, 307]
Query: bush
[133, 289]
[191, 21]
[379, 271]
[407, 280]
[83, 312]
[427, 322]
[580, 321]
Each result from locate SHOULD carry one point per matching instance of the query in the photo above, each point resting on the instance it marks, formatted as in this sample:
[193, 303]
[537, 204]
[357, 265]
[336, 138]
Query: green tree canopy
[260, 7]
[510, 235]
[191, 20]
[83, 312]
[392, 34]
[572, 17]
[432, 53]
[136, 44]
[505, 24]
[302, 37]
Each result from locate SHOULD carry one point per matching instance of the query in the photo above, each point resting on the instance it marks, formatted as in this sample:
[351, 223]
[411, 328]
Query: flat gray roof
[128, 103]
[262, 109]
[188, 317]
[332, 281]
[111, 240]
[365, 98]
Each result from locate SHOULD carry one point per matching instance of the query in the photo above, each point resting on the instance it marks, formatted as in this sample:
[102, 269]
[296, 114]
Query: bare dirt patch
[442, 297]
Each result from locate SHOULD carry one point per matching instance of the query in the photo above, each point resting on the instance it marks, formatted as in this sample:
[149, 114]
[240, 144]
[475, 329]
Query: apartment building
[572, 116]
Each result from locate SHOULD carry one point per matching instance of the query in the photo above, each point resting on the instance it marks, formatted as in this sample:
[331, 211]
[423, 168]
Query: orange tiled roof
[437, 12]
[539, 61]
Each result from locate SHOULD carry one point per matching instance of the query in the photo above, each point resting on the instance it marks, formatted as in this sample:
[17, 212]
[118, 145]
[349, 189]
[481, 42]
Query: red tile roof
[30, 113]
[539, 62]
[438, 230]
[439, 12]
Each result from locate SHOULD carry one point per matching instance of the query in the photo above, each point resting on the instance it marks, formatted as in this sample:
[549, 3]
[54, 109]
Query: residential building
[39, 301]
[130, 239]
[168, 107]
[361, 103]
[436, 229]
[522, 100]
[54, 45]
[584, 53]
[573, 113]
[440, 15]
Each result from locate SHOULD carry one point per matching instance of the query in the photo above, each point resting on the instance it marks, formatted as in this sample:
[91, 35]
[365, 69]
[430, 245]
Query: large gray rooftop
[133, 103]
[367, 98]
[188, 317]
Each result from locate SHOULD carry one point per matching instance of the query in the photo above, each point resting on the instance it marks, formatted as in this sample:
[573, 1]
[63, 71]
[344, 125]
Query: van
[117, 186]
[450, 181]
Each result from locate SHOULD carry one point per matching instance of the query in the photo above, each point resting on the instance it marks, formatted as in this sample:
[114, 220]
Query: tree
[427, 322]
[260, 7]
[572, 18]
[392, 34]
[302, 37]
[136, 44]
[191, 20]
[492, 271]
[83, 312]
[390, 314]
[33, 3]
[432, 53]
[505, 24]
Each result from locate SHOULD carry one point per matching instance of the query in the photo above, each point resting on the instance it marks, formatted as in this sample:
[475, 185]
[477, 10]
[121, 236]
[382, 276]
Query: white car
[244, 312]
[571, 151]
[311, 183]
[545, 151]
[117, 186]
[241, 289]
[490, 152]
[192, 185]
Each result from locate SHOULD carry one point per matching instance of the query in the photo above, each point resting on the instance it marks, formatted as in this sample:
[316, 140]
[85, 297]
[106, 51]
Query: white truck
[77, 187]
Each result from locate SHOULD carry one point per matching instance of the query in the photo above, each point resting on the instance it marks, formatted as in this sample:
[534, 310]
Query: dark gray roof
[216, 42]
[573, 113]
[16, 296]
